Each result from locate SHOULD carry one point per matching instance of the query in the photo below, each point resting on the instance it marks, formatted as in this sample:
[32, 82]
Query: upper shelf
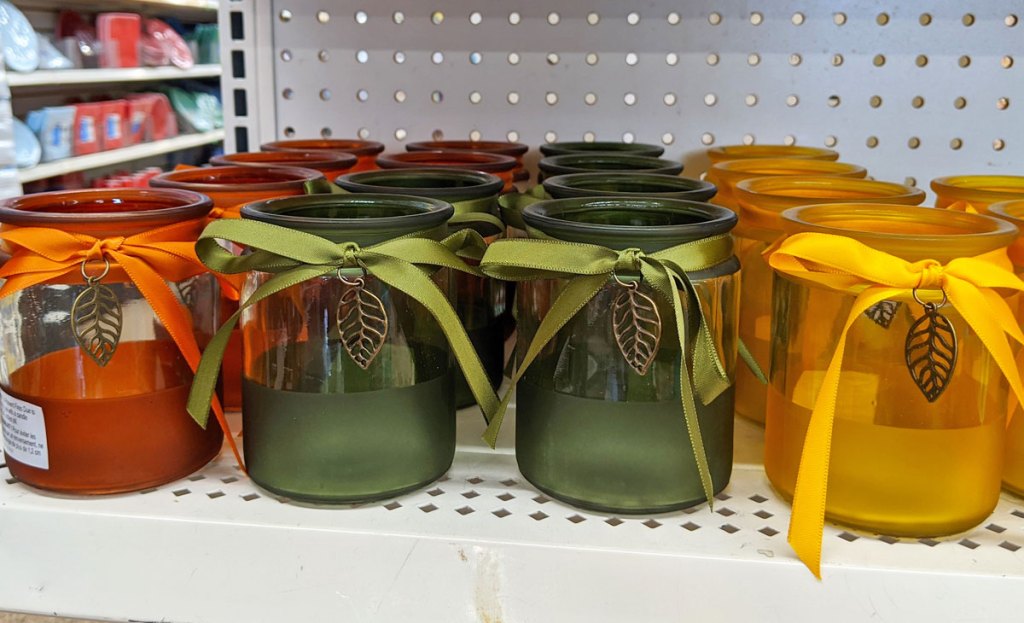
[68, 77]
[193, 10]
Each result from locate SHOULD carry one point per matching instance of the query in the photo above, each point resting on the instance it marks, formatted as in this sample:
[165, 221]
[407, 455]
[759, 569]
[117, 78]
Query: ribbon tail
[751, 363]
[807, 523]
[573, 297]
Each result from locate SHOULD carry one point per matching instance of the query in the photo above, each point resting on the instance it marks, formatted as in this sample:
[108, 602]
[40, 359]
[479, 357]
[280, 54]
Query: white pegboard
[911, 90]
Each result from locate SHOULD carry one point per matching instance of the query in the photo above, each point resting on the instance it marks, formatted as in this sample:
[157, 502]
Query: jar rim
[575, 147]
[515, 150]
[464, 184]
[781, 187]
[204, 179]
[1012, 210]
[734, 152]
[697, 220]
[583, 185]
[421, 213]
[770, 167]
[351, 146]
[58, 207]
[473, 160]
[968, 234]
[303, 159]
[608, 161]
[988, 188]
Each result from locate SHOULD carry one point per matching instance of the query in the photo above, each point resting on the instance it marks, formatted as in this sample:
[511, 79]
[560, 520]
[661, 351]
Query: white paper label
[24, 431]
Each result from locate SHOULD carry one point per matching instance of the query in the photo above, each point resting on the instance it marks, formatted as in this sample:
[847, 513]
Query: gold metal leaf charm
[883, 312]
[187, 291]
[96, 318]
[931, 351]
[362, 322]
[636, 324]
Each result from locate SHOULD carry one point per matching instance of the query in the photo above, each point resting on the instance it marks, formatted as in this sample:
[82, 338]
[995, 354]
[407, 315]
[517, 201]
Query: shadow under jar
[900, 464]
[480, 302]
[761, 202]
[606, 161]
[590, 430]
[91, 428]
[614, 184]
[366, 151]
[317, 426]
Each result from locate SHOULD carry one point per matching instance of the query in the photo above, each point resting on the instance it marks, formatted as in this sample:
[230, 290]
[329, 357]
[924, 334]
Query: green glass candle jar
[582, 147]
[606, 161]
[605, 412]
[601, 184]
[480, 302]
[348, 381]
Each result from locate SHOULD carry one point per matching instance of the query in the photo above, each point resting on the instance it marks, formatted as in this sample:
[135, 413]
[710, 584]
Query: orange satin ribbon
[847, 265]
[149, 259]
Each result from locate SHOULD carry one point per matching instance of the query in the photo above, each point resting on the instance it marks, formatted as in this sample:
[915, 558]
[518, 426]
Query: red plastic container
[114, 115]
[88, 119]
[119, 34]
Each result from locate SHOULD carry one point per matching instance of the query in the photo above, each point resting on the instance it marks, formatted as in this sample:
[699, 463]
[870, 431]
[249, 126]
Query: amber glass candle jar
[330, 164]
[606, 161]
[761, 202]
[731, 172]
[481, 303]
[366, 151]
[88, 428]
[230, 188]
[742, 152]
[977, 191]
[515, 150]
[901, 464]
[583, 147]
[1013, 468]
[614, 184]
[498, 165]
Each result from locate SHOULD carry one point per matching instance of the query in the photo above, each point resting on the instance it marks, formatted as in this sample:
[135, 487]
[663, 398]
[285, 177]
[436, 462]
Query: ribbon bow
[293, 256]
[149, 259]
[589, 268]
[847, 265]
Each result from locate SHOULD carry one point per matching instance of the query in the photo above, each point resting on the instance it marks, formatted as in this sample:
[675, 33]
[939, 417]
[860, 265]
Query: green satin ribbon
[511, 205]
[404, 263]
[588, 268]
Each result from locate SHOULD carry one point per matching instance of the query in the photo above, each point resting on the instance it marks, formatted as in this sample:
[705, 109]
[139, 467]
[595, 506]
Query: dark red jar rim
[135, 206]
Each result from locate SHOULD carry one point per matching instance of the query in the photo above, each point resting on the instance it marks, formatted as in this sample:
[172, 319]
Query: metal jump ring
[941, 303]
[89, 278]
[359, 281]
[632, 284]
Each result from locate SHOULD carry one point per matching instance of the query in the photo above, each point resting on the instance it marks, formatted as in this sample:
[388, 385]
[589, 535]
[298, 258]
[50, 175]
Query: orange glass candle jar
[515, 150]
[761, 202]
[1013, 462]
[332, 164]
[230, 188]
[95, 380]
[366, 151]
[916, 456]
[732, 172]
[503, 167]
[977, 191]
[742, 152]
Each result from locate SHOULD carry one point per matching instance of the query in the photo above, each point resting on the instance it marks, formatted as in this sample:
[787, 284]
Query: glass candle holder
[583, 147]
[498, 165]
[230, 188]
[117, 423]
[902, 463]
[1013, 467]
[761, 202]
[330, 164]
[366, 151]
[742, 152]
[590, 429]
[977, 191]
[317, 426]
[601, 184]
[731, 172]
[481, 303]
[515, 150]
[606, 162]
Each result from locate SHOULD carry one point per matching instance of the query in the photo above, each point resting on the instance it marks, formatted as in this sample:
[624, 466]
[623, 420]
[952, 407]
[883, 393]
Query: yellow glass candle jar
[727, 153]
[1013, 466]
[761, 202]
[900, 454]
[977, 191]
[731, 172]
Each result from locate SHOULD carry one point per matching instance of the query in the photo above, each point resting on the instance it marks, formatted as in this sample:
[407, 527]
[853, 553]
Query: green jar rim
[404, 215]
[689, 221]
[577, 147]
[648, 184]
[607, 161]
[435, 183]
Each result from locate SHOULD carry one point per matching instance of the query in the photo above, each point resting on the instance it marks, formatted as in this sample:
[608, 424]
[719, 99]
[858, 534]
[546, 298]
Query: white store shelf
[480, 545]
[67, 77]
[191, 9]
[118, 156]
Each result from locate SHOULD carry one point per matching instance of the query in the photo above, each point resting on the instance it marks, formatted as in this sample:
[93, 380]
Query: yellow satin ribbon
[847, 265]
